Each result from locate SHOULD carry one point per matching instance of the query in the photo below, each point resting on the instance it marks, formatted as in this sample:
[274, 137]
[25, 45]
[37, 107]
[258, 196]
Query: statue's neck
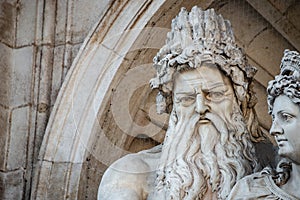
[292, 185]
[296, 171]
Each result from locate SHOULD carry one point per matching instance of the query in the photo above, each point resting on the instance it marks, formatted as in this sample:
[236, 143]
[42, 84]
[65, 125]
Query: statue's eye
[187, 100]
[215, 96]
[285, 117]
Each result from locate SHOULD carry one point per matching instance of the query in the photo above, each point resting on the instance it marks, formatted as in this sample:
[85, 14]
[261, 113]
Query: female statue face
[286, 127]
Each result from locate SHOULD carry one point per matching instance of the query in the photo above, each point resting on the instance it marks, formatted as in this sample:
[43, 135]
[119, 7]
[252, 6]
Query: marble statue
[284, 106]
[205, 82]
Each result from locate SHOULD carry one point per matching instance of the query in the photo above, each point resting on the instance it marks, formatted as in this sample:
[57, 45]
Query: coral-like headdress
[203, 36]
[288, 81]
[290, 64]
[197, 37]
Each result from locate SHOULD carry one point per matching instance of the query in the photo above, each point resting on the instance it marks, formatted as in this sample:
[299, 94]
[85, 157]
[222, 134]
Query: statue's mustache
[218, 123]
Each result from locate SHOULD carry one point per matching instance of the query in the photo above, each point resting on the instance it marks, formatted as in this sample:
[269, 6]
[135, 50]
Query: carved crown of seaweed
[197, 37]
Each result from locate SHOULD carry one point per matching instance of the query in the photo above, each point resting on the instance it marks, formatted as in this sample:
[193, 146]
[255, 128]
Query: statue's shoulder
[140, 162]
[259, 185]
[254, 180]
[253, 186]
[130, 175]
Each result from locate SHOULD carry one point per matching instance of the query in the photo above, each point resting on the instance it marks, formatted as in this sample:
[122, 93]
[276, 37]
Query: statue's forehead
[284, 103]
[204, 76]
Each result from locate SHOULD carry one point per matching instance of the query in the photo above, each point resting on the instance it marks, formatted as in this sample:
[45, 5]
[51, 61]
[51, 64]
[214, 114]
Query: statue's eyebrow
[204, 89]
[211, 83]
[287, 111]
[185, 93]
[215, 85]
[283, 111]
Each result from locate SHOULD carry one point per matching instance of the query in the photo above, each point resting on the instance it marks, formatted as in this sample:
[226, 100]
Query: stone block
[266, 9]
[90, 177]
[120, 30]
[293, 15]
[57, 181]
[73, 181]
[11, 185]
[39, 22]
[7, 22]
[21, 76]
[70, 53]
[41, 182]
[41, 122]
[17, 149]
[45, 22]
[67, 59]
[262, 76]
[75, 50]
[245, 20]
[61, 22]
[65, 145]
[26, 22]
[49, 22]
[59, 177]
[45, 75]
[267, 50]
[57, 72]
[5, 73]
[4, 124]
[81, 22]
[289, 32]
[282, 6]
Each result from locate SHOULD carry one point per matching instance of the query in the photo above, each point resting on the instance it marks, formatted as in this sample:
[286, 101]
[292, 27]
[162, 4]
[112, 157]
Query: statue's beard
[197, 156]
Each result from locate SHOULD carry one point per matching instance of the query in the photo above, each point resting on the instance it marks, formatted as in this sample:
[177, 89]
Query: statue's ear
[167, 87]
[174, 118]
[161, 104]
[164, 102]
[154, 83]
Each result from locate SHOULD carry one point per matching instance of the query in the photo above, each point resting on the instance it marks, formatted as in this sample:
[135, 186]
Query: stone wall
[38, 42]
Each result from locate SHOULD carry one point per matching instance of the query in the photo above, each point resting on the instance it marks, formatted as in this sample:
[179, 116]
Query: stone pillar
[11, 184]
[16, 64]
[38, 42]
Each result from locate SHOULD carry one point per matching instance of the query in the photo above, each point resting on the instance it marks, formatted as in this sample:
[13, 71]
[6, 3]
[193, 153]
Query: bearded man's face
[206, 147]
[203, 90]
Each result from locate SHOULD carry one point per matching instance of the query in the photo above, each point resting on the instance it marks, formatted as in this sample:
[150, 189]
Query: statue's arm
[123, 180]
[116, 185]
[251, 187]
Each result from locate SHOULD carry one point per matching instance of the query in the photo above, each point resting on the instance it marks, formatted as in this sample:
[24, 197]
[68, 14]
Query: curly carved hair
[283, 85]
[288, 81]
[203, 36]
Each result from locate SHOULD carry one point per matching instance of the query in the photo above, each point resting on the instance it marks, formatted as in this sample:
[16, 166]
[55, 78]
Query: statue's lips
[203, 120]
[206, 118]
[280, 142]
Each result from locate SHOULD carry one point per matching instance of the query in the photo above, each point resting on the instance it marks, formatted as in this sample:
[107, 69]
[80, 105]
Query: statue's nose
[276, 129]
[201, 106]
